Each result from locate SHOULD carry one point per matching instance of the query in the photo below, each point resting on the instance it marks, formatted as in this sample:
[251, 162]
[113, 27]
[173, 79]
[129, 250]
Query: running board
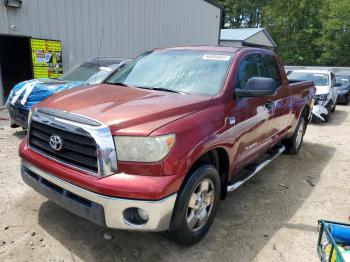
[264, 163]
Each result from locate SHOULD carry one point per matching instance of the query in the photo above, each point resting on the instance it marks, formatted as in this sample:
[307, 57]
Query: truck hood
[127, 110]
[320, 90]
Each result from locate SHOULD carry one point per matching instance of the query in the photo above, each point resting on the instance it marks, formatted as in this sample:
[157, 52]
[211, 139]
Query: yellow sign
[47, 58]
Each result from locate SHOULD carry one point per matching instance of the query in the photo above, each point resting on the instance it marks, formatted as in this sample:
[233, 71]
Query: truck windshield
[191, 72]
[318, 78]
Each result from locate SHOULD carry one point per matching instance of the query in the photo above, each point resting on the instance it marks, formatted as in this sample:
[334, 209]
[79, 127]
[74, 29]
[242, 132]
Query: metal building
[88, 28]
[258, 37]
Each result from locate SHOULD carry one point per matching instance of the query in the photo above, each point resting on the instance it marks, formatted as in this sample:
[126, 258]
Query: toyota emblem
[56, 143]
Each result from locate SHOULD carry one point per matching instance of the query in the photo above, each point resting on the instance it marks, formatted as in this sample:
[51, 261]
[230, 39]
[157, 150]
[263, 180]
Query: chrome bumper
[98, 208]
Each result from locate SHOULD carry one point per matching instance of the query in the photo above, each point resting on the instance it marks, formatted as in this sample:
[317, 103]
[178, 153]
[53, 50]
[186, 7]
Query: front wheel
[294, 143]
[195, 206]
[334, 106]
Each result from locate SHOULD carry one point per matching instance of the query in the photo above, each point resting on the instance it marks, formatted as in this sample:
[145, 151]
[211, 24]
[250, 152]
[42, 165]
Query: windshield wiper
[150, 88]
[165, 90]
[119, 84]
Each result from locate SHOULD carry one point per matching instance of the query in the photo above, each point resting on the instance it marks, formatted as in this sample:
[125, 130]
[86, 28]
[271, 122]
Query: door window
[250, 66]
[272, 69]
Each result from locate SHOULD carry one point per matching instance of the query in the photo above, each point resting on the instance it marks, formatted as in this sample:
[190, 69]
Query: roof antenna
[99, 52]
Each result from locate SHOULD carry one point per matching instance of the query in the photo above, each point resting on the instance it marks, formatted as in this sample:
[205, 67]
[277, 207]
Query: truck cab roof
[214, 48]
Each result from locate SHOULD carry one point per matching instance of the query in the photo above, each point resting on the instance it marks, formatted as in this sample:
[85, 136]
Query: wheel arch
[305, 112]
[218, 157]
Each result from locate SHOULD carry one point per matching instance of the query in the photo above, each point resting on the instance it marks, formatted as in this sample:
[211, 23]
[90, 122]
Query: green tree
[242, 13]
[307, 32]
[295, 25]
[334, 42]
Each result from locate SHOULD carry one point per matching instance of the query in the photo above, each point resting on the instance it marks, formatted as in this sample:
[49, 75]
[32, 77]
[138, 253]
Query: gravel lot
[271, 218]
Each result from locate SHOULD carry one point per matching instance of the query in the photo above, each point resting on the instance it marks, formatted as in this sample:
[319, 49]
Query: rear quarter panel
[303, 95]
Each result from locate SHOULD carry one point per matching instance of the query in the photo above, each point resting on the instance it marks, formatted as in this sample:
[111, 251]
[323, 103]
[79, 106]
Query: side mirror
[257, 87]
[337, 84]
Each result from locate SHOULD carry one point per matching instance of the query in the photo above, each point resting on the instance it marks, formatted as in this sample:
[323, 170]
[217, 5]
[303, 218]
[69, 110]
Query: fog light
[143, 214]
[134, 216]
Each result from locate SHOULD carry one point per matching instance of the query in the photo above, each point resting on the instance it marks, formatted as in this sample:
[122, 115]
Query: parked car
[326, 90]
[171, 133]
[343, 84]
[288, 71]
[28, 93]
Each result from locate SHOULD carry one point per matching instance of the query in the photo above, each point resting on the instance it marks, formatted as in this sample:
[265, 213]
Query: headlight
[143, 149]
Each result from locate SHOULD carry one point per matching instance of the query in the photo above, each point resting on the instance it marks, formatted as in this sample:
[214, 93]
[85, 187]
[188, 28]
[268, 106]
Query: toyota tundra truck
[159, 145]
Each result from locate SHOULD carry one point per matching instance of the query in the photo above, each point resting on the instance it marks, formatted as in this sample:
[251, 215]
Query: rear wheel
[195, 206]
[294, 143]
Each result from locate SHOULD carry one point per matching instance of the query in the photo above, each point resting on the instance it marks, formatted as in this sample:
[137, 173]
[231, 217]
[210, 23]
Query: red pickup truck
[157, 147]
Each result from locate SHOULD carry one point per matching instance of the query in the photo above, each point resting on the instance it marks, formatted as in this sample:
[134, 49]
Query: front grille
[321, 97]
[78, 150]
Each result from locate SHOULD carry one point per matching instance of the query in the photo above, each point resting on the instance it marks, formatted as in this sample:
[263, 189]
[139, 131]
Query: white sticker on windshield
[107, 69]
[216, 57]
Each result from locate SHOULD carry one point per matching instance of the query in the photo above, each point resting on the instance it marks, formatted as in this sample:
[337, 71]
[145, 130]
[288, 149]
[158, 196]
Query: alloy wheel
[200, 205]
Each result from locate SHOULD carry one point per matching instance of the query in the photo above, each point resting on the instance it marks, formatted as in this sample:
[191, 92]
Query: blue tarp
[29, 93]
[341, 234]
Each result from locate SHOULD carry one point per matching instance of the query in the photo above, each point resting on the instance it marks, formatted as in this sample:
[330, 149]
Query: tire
[326, 117]
[185, 227]
[333, 108]
[315, 119]
[346, 102]
[294, 143]
[12, 125]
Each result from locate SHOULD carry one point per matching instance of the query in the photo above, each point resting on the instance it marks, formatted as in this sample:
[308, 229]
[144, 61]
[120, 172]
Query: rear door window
[272, 69]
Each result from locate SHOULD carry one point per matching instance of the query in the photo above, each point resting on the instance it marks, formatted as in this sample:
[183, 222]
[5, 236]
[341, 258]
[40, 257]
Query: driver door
[254, 115]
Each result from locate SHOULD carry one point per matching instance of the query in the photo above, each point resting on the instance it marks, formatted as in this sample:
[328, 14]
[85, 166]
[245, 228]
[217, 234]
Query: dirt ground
[271, 218]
